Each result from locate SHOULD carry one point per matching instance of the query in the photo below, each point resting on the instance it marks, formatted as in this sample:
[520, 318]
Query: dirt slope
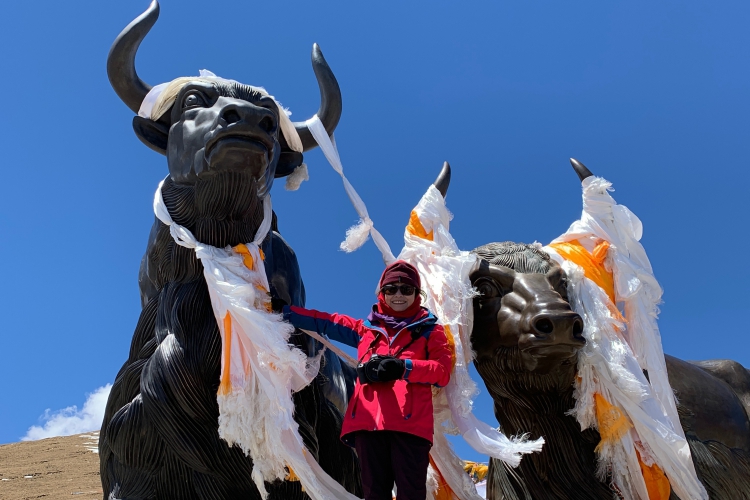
[61, 467]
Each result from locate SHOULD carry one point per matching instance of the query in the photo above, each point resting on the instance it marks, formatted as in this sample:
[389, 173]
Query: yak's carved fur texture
[223, 146]
[539, 403]
[160, 433]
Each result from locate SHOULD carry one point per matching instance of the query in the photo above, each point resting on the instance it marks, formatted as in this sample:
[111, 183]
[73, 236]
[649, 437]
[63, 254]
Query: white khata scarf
[357, 235]
[259, 368]
[444, 270]
[642, 443]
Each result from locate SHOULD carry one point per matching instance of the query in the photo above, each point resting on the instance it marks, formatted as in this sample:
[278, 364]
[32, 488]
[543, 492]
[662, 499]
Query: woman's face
[398, 301]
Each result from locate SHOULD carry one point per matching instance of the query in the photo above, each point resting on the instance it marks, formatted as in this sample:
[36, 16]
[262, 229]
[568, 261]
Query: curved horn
[580, 169]
[121, 59]
[330, 100]
[444, 179]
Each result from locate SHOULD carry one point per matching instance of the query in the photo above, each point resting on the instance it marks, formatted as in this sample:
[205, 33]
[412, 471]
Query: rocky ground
[61, 467]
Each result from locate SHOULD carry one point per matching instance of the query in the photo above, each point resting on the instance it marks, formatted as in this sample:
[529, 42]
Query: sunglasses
[406, 290]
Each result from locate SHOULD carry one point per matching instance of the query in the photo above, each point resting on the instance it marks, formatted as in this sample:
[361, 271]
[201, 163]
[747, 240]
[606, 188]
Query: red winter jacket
[401, 405]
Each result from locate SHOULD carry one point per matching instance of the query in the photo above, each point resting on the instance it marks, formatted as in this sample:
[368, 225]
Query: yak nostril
[578, 329]
[267, 124]
[544, 325]
[231, 116]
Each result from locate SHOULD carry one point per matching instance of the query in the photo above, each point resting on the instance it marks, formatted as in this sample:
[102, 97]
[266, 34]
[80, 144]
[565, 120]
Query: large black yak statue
[159, 438]
[522, 311]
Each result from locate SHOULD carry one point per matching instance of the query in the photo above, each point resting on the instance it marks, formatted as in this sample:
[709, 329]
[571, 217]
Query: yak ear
[288, 161]
[152, 134]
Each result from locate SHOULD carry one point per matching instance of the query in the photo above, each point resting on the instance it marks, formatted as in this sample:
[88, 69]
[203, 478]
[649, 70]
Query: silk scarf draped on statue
[642, 443]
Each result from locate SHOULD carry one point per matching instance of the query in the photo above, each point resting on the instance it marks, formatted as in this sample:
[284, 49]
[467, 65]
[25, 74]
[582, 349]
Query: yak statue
[522, 311]
[159, 437]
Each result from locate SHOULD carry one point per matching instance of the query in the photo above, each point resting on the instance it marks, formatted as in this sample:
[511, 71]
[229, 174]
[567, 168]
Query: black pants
[388, 456]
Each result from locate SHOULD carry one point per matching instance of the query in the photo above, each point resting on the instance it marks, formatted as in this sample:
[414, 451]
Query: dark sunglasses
[406, 290]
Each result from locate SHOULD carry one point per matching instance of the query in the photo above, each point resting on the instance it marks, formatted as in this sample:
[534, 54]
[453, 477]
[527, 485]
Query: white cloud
[71, 420]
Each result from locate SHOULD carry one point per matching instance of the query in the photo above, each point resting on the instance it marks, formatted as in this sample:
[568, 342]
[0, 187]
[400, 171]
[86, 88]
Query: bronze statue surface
[159, 438]
[527, 339]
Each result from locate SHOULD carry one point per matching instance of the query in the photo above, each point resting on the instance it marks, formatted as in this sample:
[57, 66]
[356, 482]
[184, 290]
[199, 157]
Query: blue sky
[651, 95]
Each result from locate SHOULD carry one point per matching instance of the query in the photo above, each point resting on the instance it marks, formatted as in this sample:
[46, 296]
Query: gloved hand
[390, 369]
[381, 369]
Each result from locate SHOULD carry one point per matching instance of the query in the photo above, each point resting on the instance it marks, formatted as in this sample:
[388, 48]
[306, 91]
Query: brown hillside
[61, 467]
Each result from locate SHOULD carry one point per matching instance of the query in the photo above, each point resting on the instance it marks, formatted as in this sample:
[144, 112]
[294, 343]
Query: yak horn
[580, 169]
[121, 59]
[330, 100]
[444, 179]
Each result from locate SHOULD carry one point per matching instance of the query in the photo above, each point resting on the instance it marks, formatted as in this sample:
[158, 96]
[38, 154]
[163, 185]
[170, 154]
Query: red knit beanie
[401, 271]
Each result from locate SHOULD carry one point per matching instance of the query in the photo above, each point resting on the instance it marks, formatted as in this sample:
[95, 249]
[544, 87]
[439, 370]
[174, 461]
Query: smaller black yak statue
[159, 437]
[520, 283]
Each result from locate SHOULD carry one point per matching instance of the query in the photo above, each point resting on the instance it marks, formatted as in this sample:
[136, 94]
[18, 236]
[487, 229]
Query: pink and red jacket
[401, 405]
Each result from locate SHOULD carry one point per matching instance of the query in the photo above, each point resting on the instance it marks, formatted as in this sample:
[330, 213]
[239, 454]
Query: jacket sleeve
[435, 370]
[339, 327]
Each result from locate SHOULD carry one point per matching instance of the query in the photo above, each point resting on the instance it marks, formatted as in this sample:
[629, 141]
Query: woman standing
[402, 352]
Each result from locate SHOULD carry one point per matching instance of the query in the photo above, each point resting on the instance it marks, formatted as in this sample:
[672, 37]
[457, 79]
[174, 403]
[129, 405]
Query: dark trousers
[388, 456]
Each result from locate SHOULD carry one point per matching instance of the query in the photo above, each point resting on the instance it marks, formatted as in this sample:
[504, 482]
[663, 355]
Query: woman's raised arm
[338, 327]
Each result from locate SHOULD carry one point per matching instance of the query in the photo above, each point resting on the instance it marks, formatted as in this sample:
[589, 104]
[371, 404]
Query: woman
[402, 352]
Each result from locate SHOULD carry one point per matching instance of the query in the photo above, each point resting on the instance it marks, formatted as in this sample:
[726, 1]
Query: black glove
[380, 369]
[390, 369]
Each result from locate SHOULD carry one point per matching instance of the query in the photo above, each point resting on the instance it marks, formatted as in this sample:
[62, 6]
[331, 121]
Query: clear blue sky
[654, 96]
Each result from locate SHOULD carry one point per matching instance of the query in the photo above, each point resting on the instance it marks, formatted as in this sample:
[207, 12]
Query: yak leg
[136, 454]
[169, 489]
[185, 415]
[127, 463]
[179, 385]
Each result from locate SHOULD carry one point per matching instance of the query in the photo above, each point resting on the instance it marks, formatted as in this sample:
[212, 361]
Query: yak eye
[486, 289]
[193, 100]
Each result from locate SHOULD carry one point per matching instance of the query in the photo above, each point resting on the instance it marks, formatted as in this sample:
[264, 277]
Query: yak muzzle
[551, 339]
[245, 134]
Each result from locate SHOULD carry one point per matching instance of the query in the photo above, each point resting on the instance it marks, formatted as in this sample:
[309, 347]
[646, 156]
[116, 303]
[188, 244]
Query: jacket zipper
[409, 400]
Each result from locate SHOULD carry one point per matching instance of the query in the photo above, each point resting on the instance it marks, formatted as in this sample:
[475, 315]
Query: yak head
[525, 335]
[213, 125]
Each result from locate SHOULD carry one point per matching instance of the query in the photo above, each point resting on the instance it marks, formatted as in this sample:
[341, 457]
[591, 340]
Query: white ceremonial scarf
[260, 369]
[357, 235]
[444, 270]
[611, 363]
